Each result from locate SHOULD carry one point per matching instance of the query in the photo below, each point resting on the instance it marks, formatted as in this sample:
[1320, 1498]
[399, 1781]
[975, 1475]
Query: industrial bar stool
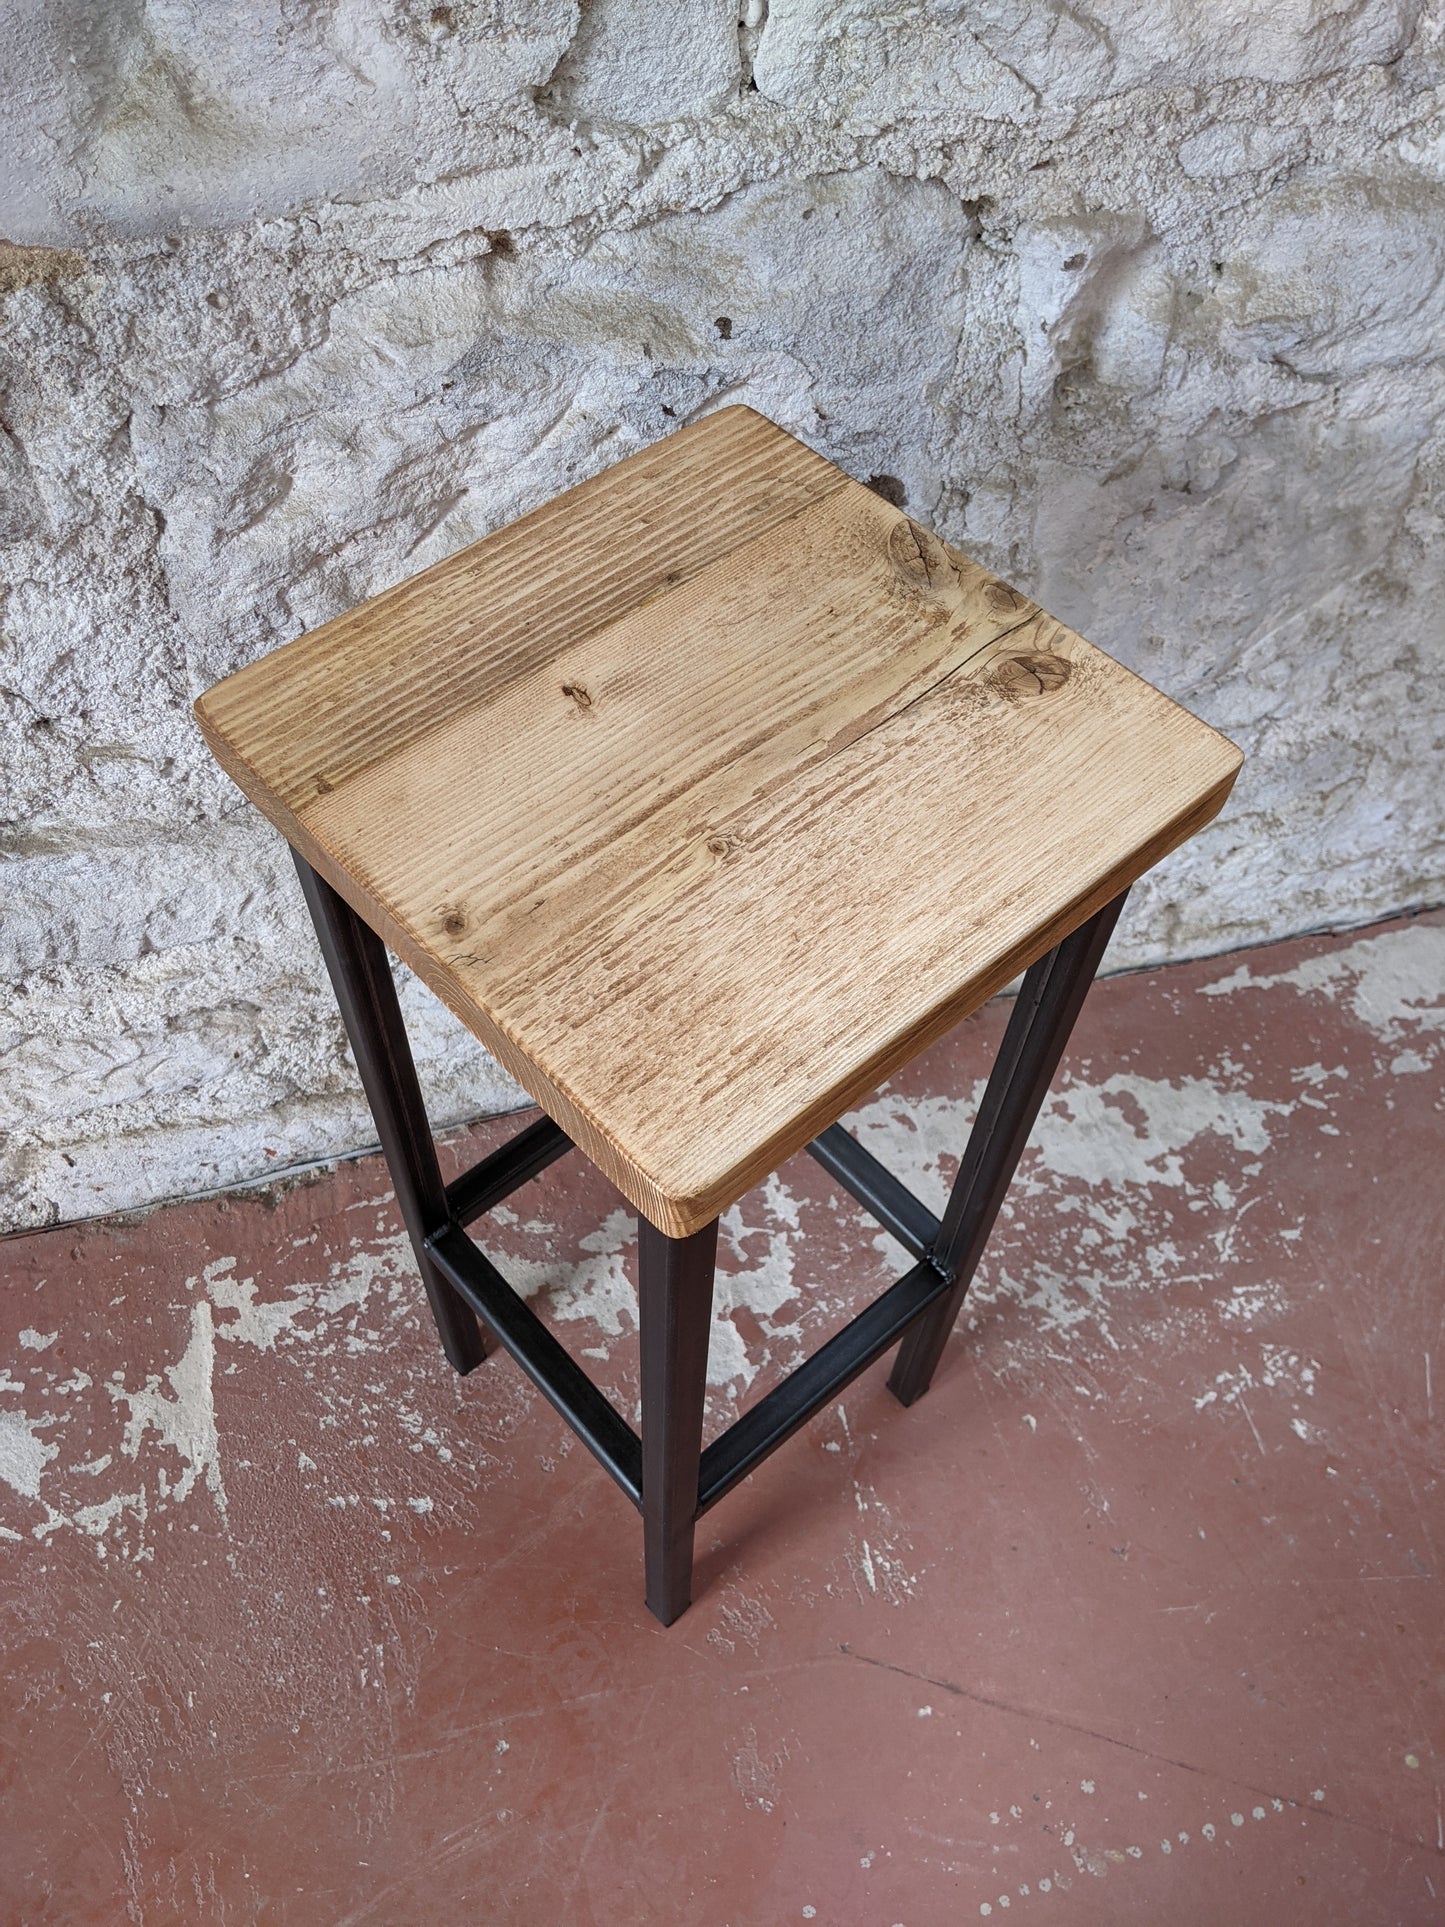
[707, 796]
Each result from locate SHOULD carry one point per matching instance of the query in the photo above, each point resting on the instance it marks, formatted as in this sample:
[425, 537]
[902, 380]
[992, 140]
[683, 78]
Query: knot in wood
[1003, 598]
[1023, 677]
[920, 560]
[581, 696]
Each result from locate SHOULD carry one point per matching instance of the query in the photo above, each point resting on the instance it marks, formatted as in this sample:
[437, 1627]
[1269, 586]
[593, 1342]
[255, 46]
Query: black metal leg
[675, 1279]
[361, 977]
[1052, 995]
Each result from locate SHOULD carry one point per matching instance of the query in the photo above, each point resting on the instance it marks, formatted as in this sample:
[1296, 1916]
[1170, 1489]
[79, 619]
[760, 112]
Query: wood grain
[312, 715]
[711, 793]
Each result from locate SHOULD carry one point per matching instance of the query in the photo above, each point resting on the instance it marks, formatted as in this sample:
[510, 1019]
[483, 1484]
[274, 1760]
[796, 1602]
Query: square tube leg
[360, 975]
[1043, 1015]
[675, 1281]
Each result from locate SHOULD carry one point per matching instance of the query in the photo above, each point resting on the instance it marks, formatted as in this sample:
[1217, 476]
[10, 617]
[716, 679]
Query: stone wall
[1140, 301]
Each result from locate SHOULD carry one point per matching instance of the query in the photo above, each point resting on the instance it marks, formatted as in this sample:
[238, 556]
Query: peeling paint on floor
[1136, 1616]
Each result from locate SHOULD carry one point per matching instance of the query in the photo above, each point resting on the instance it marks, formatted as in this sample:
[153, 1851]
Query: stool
[707, 796]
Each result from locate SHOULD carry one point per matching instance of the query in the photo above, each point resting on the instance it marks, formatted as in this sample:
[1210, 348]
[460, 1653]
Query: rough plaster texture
[1139, 302]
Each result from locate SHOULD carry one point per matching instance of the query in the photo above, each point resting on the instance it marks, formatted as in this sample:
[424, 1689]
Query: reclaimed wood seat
[711, 792]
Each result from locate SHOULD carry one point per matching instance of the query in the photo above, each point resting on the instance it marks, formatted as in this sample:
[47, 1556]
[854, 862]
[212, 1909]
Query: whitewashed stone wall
[1138, 300]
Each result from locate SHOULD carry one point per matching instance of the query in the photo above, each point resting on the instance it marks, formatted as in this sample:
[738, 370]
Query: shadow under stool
[707, 796]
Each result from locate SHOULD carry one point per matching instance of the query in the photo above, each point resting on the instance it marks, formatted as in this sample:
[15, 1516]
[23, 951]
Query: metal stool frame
[666, 1472]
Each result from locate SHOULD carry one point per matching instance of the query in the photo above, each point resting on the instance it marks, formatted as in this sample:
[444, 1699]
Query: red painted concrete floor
[1137, 1617]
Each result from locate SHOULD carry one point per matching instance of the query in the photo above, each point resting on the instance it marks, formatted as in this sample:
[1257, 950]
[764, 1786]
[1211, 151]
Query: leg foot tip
[668, 1615]
[463, 1362]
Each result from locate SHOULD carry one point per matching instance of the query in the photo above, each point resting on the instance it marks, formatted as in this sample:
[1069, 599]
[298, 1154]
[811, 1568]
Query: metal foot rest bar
[749, 1440]
[498, 1176]
[551, 1368]
[760, 1431]
[876, 1189]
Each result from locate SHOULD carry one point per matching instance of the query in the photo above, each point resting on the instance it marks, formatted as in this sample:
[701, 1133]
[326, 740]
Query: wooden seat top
[712, 791]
